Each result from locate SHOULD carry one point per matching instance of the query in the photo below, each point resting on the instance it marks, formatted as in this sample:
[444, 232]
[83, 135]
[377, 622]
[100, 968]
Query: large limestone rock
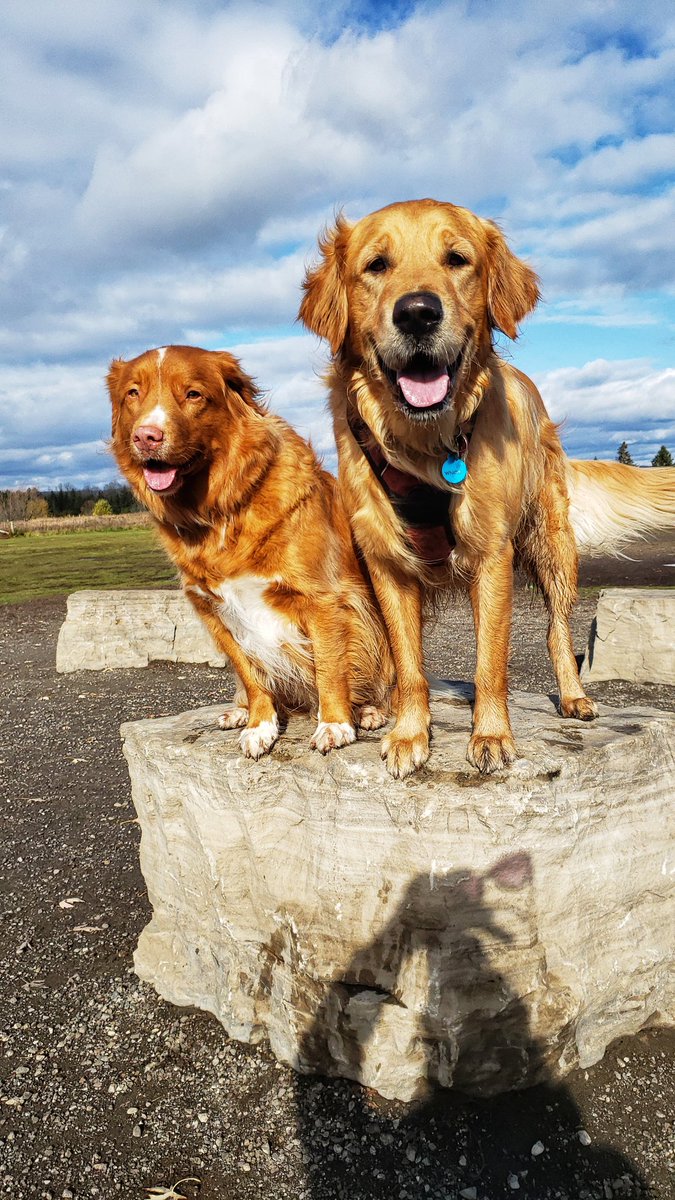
[479, 932]
[131, 629]
[633, 636]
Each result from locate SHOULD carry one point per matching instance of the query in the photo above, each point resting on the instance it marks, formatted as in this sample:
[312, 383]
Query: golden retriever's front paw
[583, 708]
[491, 752]
[405, 754]
[369, 716]
[331, 735]
[259, 739]
[233, 718]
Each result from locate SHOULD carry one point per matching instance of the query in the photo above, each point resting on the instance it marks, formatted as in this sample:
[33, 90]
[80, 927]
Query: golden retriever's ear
[324, 307]
[236, 379]
[513, 287]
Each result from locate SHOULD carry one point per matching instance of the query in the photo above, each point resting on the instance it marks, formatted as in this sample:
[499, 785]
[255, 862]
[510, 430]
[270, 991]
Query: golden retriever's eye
[454, 259]
[133, 393]
[377, 266]
[193, 394]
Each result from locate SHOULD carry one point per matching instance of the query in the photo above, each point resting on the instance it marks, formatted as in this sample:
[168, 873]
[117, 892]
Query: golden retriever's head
[174, 411]
[413, 293]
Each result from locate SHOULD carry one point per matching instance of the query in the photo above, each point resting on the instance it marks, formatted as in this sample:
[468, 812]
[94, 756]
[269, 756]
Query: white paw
[371, 717]
[258, 739]
[233, 718]
[330, 735]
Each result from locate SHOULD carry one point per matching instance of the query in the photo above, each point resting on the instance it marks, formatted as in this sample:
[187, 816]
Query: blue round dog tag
[454, 469]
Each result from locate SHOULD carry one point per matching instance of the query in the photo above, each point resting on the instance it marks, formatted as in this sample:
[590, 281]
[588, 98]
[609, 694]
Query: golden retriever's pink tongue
[160, 476]
[422, 389]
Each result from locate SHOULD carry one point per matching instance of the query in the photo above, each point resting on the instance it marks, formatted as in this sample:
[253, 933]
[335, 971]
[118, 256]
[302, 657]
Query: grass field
[54, 564]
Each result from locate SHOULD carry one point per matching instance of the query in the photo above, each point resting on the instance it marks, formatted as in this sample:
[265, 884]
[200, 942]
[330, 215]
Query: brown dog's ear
[112, 379]
[324, 306]
[513, 287]
[236, 379]
[114, 371]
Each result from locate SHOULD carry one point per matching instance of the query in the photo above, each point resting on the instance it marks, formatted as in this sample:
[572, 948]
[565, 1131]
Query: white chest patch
[261, 631]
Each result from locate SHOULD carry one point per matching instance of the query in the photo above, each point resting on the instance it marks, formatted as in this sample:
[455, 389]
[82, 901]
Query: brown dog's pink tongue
[160, 476]
[422, 389]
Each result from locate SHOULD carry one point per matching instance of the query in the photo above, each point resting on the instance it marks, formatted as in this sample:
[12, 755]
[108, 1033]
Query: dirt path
[107, 1090]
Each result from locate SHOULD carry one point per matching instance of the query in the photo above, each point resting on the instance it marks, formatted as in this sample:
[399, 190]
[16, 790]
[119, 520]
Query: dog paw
[404, 755]
[583, 708]
[331, 735]
[491, 753]
[369, 716]
[257, 740]
[233, 718]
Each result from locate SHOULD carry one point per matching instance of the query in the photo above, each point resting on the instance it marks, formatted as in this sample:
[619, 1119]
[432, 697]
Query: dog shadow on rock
[455, 931]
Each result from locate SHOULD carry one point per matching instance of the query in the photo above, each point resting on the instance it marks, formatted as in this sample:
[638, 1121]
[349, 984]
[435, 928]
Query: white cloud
[605, 403]
[167, 167]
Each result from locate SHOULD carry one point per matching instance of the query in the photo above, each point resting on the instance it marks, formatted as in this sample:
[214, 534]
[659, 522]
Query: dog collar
[423, 509]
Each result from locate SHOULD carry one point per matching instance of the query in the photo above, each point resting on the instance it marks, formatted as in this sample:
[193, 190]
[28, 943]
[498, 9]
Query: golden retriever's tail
[612, 504]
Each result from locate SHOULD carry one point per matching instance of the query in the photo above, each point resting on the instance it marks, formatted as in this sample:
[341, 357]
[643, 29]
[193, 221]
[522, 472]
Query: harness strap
[423, 509]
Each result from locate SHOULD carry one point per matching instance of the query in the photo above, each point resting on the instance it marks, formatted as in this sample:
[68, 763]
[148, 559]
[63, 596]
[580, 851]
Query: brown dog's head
[413, 293]
[173, 411]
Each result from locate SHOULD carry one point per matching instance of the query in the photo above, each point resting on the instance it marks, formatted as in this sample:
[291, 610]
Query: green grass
[54, 564]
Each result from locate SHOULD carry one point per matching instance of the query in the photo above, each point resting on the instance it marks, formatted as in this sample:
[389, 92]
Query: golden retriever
[409, 298]
[261, 539]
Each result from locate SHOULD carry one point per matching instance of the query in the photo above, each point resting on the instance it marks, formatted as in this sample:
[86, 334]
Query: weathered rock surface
[131, 629]
[633, 636]
[479, 932]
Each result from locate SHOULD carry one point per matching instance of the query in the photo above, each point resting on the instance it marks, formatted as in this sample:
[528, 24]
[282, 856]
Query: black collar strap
[423, 509]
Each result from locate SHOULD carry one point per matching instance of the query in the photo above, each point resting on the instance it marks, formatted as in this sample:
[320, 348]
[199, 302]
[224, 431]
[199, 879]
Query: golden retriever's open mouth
[167, 477]
[423, 387]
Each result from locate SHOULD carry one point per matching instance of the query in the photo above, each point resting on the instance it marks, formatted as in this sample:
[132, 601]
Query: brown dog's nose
[418, 312]
[148, 437]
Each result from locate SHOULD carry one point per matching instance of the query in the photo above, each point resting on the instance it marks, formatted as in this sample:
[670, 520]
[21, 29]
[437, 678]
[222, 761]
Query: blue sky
[165, 168]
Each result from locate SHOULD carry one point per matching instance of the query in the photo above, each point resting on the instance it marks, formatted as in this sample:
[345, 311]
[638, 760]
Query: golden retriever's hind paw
[491, 753]
[369, 716]
[404, 755]
[259, 739]
[331, 735]
[233, 718]
[582, 709]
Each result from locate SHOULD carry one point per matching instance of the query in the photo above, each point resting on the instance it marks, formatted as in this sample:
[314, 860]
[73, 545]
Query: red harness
[423, 509]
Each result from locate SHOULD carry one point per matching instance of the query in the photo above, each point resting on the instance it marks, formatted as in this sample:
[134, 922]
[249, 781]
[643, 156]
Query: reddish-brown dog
[408, 299]
[261, 539]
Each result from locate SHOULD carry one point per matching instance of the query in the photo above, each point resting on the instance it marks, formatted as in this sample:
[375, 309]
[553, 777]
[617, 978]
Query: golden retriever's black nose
[148, 437]
[418, 312]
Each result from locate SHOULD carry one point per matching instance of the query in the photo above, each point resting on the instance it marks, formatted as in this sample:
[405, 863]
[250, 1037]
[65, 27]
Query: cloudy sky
[165, 167]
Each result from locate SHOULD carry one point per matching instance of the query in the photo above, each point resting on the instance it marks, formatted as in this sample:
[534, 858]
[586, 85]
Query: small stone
[462, 1160]
[537, 1149]
[410, 1153]
[469, 1193]
[584, 1137]
[513, 1182]
[136, 1131]
[203, 1117]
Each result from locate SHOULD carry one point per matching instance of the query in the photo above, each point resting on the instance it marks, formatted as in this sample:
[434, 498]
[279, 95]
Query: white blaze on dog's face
[171, 408]
[413, 292]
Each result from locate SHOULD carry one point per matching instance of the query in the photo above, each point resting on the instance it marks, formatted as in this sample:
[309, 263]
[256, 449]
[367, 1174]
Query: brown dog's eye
[193, 394]
[133, 393]
[377, 266]
[454, 259]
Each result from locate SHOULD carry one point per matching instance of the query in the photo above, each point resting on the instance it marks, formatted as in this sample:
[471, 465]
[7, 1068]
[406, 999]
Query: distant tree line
[24, 504]
[662, 458]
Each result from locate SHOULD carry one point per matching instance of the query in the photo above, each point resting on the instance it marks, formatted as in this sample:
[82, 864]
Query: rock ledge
[452, 929]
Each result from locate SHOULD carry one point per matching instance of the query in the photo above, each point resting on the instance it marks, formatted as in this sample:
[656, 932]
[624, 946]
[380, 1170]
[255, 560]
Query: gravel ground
[106, 1090]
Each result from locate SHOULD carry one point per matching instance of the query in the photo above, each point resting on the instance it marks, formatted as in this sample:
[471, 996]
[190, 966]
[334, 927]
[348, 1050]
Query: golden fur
[261, 539]
[521, 494]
